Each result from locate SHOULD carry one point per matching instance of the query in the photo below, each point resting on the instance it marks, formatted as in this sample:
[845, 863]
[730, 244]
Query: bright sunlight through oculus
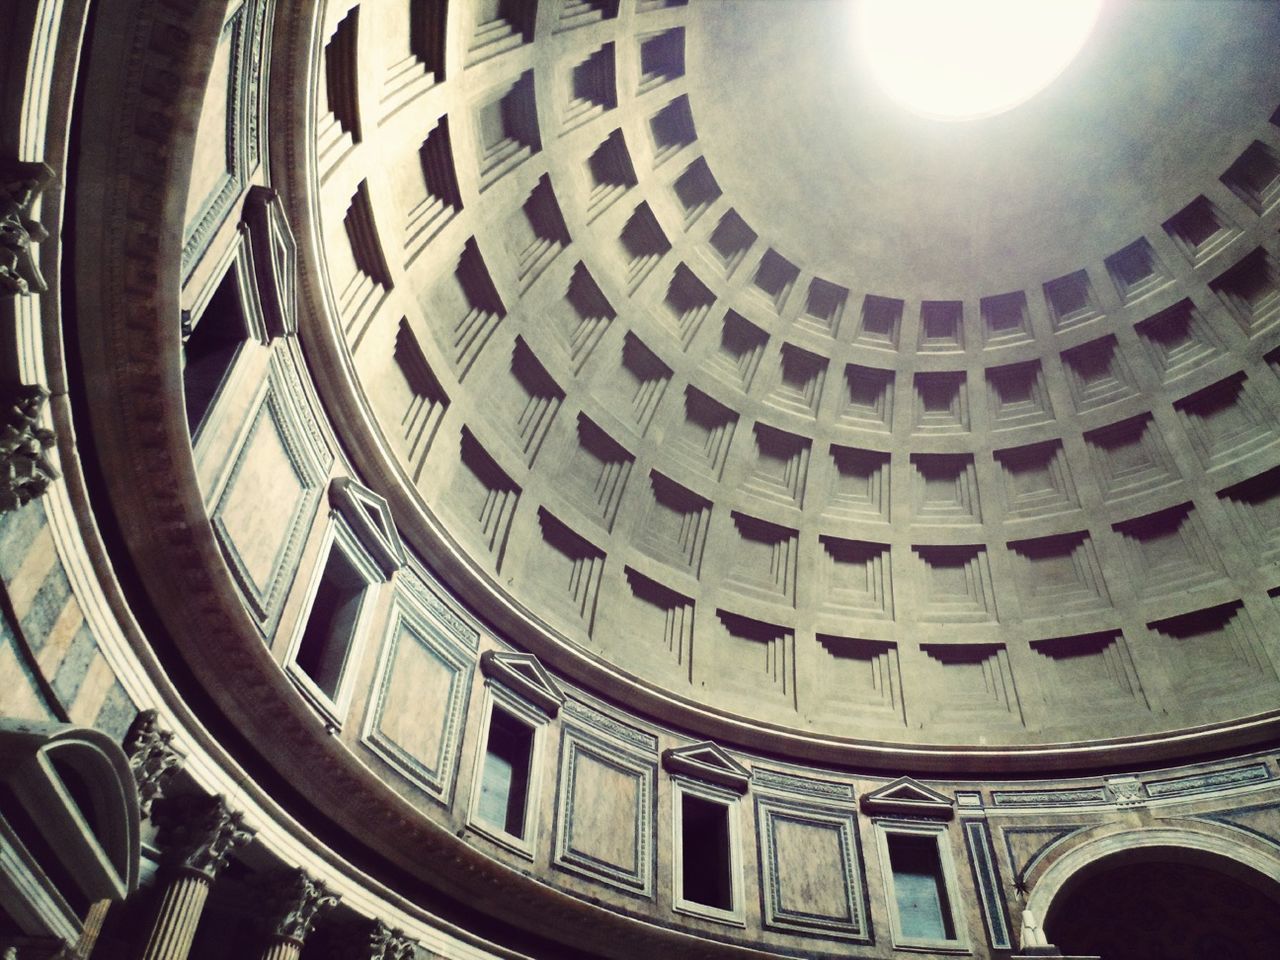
[964, 59]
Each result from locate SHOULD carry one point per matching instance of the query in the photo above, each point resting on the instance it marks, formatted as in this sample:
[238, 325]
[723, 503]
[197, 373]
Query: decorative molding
[764, 778]
[1054, 835]
[1126, 791]
[571, 849]
[908, 797]
[370, 520]
[25, 470]
[222, 196]
[1234, 818]
[152, 758]
[707, 761]
[199, 833]
[409, 623]
[603, 723]
[852, 920]
[1208, 782]
[291, 902]
[986, 879]
[1073, 797]
[275, 412]
[423, 588]
[21, 183]
[524, 676]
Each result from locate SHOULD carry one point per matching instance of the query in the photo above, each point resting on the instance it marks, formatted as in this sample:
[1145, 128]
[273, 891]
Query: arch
[75, 787]
[1186, 838]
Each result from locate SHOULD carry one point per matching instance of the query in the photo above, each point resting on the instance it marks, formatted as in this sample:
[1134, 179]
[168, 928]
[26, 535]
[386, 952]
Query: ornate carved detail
[1126, 792]
[152, 758]
[293, 900]
[199, 833]
[373, 940]
[20, 185]
[25, 470]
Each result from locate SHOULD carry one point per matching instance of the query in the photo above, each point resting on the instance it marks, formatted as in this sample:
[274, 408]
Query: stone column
[292, 903]
[197, 835]
[93, 922]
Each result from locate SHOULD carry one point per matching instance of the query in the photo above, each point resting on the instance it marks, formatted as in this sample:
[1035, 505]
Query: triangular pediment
[523, 675]
[275, 259]
[369, 517]
[908, 797]
[706, 761]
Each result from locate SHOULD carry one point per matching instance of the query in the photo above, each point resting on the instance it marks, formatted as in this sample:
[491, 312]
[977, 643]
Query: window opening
[704, 845]
[211, 349]
[920, 888]
[504, 782]
[331, 624]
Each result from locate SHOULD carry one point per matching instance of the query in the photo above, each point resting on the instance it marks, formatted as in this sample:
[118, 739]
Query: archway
[1167, 906]
[1188, 892]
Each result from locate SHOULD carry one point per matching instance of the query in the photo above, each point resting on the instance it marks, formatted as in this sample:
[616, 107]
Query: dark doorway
[1166, 910]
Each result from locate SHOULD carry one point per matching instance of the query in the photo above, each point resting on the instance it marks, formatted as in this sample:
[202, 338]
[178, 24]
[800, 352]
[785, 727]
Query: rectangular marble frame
[244, 30]
[411, 621]
[986, 880]
[309, 462]
[771, 811]
[578, 745]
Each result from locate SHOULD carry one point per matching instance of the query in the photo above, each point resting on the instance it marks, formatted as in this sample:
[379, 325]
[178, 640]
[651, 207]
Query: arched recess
[69, 824]
[1218, 848]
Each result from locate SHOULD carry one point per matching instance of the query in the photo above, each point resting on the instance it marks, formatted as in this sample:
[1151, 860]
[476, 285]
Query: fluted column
[179, 914]
[291, 905]
[196, 835]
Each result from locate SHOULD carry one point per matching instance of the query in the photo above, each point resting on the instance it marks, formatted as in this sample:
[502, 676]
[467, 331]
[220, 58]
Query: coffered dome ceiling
[741, 395]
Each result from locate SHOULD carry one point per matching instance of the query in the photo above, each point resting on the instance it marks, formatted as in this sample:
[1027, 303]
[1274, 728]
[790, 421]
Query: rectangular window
[331, 625]
[708, 864]
[211, 349]
[920, 888]
[920, 884]
[507, 778]
[704, 844]
[504, 778]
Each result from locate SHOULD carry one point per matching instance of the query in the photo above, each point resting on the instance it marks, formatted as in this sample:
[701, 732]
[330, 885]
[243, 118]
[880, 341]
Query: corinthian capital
[152, 758]
[25, 470]
[373, 940]
[293, 902]
[20, 185]
[199, 833]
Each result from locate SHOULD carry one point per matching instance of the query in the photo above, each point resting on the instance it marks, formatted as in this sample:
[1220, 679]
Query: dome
[820, 429]
[606, 478]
